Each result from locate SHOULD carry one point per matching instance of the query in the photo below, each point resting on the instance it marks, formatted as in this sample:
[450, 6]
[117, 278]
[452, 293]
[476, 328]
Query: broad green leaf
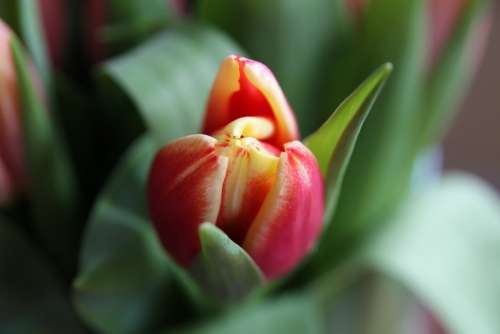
[224, 268]
[32, 298]
[444, 246]
[293, 37]
[168, 78]
[126, 282]
[378, 175]
[286, 315]
[334, 141]
[451, 75]
[52, 187]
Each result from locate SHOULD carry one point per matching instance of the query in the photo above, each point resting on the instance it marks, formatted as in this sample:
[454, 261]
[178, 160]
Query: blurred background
[473, 142]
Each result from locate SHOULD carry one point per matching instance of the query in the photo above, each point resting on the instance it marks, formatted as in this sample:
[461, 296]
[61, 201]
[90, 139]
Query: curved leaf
[32, 298]
[334, 141]
[224, 268]
[48, 167]
[378, 175]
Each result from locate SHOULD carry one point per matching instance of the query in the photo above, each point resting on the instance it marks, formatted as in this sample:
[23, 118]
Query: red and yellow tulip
[248, 174]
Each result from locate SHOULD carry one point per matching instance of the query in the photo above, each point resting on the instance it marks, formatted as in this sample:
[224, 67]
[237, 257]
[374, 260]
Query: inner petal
[250, 174]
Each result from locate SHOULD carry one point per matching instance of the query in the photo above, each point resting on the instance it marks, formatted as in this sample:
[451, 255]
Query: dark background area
[473, 142]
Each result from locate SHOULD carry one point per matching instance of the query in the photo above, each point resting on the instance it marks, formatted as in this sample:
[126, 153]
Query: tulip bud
[11, 153]
[266, 195]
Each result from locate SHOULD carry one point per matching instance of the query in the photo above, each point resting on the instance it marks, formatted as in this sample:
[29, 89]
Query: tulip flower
[11, 153]
[251, 176]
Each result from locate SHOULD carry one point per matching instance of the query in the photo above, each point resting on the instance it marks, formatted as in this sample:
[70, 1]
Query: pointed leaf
[224, 267]
[334, 141]
[52, 184]
[380, 168]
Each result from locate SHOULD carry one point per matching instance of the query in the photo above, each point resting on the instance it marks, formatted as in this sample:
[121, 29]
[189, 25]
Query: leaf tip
[205, 230]
[388, 67]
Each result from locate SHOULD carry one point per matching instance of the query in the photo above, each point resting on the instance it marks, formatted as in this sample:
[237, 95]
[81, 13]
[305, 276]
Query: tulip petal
[251, 173]
[289, 220]
[263, 79]
[244, 87]
[185, 188]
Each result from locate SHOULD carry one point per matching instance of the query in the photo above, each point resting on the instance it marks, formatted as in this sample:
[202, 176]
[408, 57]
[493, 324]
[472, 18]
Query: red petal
[251, 173]
[244, 87]
[184, 190]
[289, 221]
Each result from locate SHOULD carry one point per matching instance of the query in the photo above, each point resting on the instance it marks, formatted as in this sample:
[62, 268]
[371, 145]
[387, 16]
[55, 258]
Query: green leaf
[451, 75]
[130, 21]
[126, 282]
[285, 315]
[32, 298]
[378, 175]
[271, 32]
[334, 141]
[224, 268]
[169, 77]
[444, 246]
[53, 190]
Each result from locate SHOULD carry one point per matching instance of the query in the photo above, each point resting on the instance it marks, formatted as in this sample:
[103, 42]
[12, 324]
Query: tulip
[11, 152]
[250, 176]
[443, 16]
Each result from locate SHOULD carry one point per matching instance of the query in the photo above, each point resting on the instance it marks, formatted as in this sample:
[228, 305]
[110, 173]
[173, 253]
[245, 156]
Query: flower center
[251, 171]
